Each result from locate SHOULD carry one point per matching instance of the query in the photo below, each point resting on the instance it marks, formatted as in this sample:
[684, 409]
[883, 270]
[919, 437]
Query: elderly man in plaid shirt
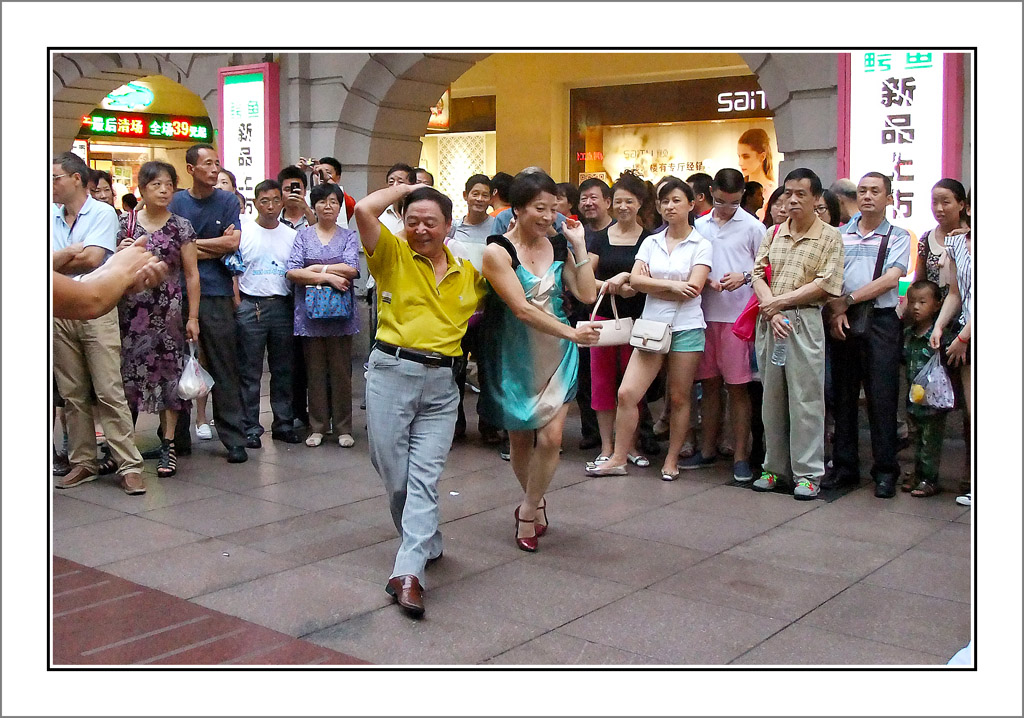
[806, 259]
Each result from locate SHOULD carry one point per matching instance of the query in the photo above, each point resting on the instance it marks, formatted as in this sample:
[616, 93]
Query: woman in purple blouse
[325, 253]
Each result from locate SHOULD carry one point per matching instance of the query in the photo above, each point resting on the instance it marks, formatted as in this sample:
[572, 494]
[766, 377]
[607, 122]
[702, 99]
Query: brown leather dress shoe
[406, 590]
[132, 484]
[77, 476]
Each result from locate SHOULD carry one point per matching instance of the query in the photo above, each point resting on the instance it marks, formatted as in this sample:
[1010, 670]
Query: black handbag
[859, 315]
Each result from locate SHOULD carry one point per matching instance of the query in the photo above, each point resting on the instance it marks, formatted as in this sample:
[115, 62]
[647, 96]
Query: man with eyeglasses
[87, 353]
[265, 317]
[735, 238]
[214, 216]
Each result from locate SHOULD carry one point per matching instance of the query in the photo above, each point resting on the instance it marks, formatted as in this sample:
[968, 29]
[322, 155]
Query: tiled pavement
[297, 543]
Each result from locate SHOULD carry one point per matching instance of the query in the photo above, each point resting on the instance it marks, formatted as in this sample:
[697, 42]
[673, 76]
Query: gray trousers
[794, 397]
[265, 326]
[410, 417]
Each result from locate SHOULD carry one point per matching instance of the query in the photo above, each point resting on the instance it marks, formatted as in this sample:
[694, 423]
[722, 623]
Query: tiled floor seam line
[183, 649]
[65, 575]
[98, 603]
[254, 654]
[904, 590]
[190, 599]
[541, 635]
[142, 636]
[80, 588]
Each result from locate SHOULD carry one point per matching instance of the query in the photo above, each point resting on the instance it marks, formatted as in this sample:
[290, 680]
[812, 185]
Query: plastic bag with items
[932, 386]
[195, 381]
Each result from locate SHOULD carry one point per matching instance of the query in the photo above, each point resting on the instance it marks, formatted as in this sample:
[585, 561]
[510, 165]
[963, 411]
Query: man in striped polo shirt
[871, 277]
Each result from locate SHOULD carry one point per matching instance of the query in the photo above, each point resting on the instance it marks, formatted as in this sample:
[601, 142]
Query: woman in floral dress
[152, 332]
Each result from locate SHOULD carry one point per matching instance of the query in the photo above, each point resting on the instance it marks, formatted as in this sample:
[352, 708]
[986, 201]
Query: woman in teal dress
[530, 353]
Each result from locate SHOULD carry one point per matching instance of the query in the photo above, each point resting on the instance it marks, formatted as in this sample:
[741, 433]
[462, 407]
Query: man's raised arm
[370, 207]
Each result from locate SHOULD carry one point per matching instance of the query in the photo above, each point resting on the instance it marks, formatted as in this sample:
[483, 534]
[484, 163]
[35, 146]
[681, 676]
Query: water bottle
[779, 352]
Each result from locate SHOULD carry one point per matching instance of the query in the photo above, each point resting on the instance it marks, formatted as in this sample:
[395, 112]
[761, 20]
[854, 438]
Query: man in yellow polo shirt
[425, 297]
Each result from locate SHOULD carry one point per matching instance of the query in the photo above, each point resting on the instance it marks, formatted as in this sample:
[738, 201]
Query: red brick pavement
[100, 619]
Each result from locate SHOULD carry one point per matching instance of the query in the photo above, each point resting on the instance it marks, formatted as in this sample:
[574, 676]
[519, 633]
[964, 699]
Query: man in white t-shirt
[735, 237]
[265, 317]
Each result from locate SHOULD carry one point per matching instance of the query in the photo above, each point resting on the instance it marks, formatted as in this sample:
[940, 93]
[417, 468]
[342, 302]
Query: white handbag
[651, 336]
[614, 332]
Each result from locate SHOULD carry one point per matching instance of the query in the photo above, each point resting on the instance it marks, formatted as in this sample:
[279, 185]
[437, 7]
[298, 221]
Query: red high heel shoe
[528, 544]
[542, 529]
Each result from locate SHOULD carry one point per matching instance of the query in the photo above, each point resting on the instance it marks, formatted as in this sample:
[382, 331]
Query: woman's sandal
[908, 485]
[925, 489]
[528, 543]
[107, 466]
[168, 463]
[603, 469]
[541, 529]
[638, 460]
[666, 476]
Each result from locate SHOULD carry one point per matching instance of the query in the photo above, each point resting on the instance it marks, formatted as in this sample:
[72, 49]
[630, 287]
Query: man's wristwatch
[748, 278]
[849, 300]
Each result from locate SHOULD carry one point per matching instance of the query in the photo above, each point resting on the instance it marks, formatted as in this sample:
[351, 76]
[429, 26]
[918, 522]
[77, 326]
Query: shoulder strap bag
[859, 315]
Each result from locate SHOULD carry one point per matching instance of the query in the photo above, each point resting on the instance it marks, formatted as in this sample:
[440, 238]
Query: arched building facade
[370, 109]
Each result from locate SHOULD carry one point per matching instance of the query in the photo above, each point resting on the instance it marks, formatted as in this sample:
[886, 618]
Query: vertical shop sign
[896, 127]
[249, 121]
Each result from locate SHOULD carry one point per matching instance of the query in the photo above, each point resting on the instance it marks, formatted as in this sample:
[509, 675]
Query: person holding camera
[296, 212]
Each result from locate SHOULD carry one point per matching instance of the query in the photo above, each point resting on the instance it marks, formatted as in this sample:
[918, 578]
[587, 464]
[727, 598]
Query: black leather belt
[251, 298]
[436, 360]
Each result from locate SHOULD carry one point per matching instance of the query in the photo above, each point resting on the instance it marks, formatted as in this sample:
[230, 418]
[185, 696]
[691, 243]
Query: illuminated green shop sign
[105, 123]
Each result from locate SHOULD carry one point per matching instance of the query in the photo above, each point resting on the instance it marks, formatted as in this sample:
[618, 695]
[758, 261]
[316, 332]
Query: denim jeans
[410, 416]
[265, 325]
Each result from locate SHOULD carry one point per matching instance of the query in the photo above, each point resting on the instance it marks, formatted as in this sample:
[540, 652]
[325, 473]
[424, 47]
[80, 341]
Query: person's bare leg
[640, 373]
[168, 420]
[543, 463]
[200, 411]
[682, 367]
[711, 416]
[739, 414]
[606, 425]
[521, 453]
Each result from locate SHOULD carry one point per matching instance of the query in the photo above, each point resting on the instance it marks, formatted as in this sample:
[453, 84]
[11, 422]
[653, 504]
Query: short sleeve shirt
[815, 257]
[416, 311]
[735, 245]
[265, 253]
[694, 250]
[209, 216]
[860, 255]
[95, 226]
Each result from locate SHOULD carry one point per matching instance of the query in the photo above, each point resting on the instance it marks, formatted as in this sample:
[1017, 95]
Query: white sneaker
[964, 500]
[345, 441]
[203, 432]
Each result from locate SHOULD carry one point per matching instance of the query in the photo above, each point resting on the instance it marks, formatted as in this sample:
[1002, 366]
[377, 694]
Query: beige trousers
[87, 365]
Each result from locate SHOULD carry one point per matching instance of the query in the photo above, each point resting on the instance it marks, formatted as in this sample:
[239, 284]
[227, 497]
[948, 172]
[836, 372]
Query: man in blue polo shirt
[214, 217]
[87, 353]
[871, 357]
